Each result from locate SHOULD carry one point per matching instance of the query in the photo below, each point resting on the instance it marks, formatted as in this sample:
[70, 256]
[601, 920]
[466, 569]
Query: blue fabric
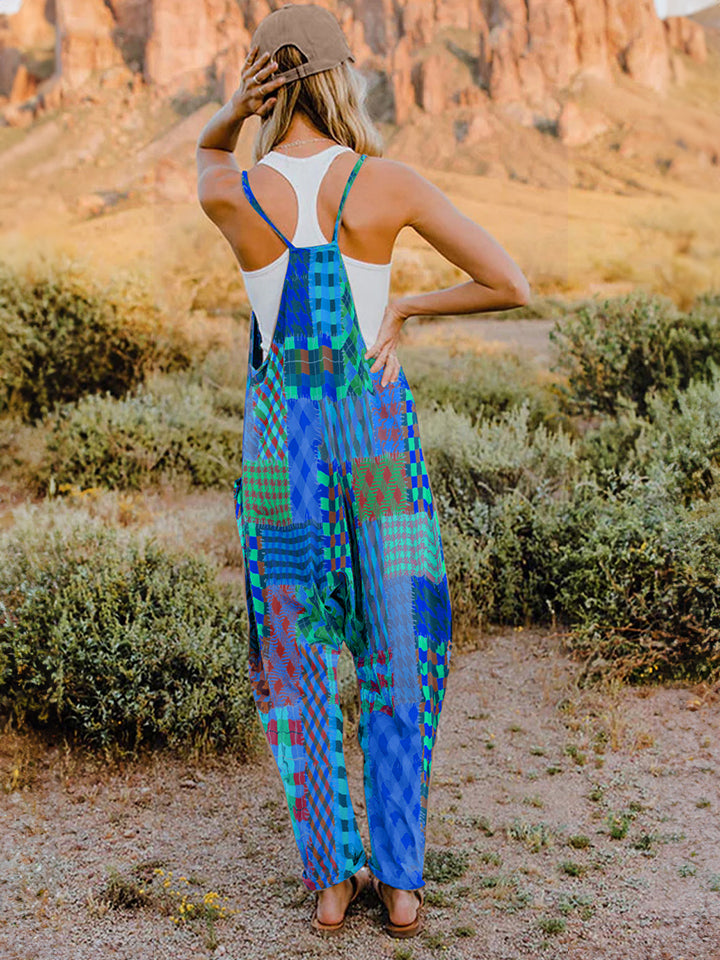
[341, 545]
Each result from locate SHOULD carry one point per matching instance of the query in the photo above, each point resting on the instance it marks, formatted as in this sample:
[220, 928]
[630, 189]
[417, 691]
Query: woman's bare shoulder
[405, 189]
[392, 171]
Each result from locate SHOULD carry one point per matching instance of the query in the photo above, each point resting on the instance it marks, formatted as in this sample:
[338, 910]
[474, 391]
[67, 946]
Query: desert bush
[63, 336]
[472, 464]
[681, 431]
[642, 589]
[627, 562]
[480, 385]
[632, 576]
[159, 435]
[121, 643]
[619, 350]
[495, 483]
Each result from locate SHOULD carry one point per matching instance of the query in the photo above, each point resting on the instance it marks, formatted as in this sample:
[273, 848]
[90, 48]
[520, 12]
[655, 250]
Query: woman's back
[369, 280]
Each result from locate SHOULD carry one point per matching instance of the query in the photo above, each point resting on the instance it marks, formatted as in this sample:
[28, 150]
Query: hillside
[591, 127]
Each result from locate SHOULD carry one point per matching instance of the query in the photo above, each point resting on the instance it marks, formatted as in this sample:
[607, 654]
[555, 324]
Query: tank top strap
[251, 197]
[354, 172]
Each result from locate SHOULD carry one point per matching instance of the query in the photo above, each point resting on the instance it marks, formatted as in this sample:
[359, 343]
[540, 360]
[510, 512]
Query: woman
[340, 536]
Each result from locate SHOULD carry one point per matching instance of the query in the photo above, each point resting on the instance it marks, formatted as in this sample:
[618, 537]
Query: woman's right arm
[497, 282]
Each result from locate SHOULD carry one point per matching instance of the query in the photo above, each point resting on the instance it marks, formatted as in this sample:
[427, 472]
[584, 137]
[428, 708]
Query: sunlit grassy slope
[111, 180]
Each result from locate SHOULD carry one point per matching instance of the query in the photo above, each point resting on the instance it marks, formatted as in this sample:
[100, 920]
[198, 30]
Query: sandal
[401, 930]
[360, 881]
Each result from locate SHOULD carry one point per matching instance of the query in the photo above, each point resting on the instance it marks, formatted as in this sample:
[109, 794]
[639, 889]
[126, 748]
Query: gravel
[524, 761]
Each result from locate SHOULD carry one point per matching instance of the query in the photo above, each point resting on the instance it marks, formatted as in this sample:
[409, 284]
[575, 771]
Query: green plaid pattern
[410, 546]
[433, 665]
[266, 492]
[270, 410]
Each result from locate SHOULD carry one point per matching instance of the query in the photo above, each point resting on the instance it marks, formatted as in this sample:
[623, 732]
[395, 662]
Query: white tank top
[369, 282]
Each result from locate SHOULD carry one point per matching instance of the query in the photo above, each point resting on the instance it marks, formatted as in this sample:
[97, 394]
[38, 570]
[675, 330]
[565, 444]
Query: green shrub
[627, 561]
[63, 336]
[121, 643]
[642, 589]
[472, 465]
[681, 432]
[144, 438]
[479, 385]
[620, 349]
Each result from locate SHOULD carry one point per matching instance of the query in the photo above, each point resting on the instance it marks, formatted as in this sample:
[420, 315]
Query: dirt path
[530, 338]
[524, 762]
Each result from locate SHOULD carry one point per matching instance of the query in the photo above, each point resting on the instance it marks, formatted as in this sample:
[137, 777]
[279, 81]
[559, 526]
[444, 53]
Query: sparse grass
[552, 924]
[579, 841]
[580, 902]
[482, 823]
[438, 898]
[491, 856]
[572, 750]
[435, 941]
[618, 824]
[445, 865]
[121, 893]
[535, 836]
[644, 842]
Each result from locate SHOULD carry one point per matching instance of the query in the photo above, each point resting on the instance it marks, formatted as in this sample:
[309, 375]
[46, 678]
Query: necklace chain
[292, 143]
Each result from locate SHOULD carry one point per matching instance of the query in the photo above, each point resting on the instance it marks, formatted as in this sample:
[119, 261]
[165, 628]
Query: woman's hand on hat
[252, 94]
[384, 348]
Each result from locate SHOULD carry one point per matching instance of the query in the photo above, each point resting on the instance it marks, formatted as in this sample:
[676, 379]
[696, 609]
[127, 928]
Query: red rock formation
[28, 29]
[436, 56]
[87, 46]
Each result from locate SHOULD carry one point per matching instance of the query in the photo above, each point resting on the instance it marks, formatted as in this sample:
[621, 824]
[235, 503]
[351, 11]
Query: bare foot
[333, 901]
[402, 905]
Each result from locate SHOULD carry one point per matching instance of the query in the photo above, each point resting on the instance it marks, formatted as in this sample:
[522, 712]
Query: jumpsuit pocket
[257, 374]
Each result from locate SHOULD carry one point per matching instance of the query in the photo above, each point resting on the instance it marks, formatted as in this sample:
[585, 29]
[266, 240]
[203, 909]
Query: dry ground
[525, 761]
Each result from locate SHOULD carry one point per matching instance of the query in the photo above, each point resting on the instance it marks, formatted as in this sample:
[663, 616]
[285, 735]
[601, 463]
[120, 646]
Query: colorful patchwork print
[267, 492]
[412, 545]
[270, 410]
[341, 545]
[380, 486]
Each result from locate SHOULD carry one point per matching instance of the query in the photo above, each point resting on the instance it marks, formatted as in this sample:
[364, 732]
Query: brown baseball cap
[312, 29]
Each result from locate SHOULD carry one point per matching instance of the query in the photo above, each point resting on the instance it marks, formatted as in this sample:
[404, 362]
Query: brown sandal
[401, 930]
[360, 881]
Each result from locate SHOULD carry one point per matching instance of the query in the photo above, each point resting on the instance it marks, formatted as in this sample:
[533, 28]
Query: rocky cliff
[424, 57]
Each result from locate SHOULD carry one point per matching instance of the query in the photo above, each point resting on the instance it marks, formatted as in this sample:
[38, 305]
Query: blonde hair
[333, 100]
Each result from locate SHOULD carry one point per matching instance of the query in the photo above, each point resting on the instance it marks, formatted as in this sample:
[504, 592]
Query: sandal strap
[355, 887]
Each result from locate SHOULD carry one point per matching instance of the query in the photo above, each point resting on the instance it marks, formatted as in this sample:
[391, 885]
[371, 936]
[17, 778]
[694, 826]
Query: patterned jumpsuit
[341, 544]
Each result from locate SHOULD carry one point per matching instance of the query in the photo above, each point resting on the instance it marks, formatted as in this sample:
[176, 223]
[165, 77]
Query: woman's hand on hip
[250, 96]
[384, 348]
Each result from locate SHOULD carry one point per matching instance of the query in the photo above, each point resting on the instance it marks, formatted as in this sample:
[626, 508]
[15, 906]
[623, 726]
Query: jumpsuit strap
[251, 197]
[351, 178]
